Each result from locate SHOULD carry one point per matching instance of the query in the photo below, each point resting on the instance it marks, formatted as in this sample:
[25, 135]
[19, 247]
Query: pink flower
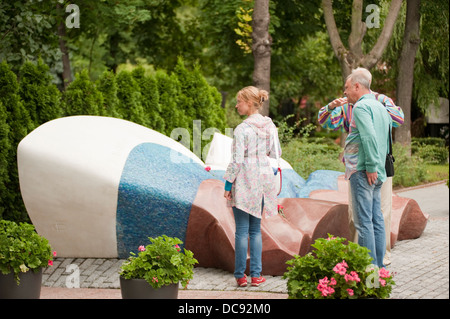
[384, 273]
[333, 281]
[207, 168]
[321, 287]
[350, 292]
[50, 262]
[353, 276]
[341, 268]
[54, 253]
[324, 281]
[177, 247]
[324, 288]
[141, 248]
[327, 291]
[382, 281]
[155, 279]
[280, 211]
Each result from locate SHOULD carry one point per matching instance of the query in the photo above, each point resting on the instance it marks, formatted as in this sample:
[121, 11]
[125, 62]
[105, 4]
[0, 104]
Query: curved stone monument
[99, 187]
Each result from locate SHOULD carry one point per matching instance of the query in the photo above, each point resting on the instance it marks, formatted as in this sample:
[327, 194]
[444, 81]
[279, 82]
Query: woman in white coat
[249, 181]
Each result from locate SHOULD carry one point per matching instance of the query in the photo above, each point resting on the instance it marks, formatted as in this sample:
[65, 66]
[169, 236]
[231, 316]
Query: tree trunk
[67, 73]
[405, 79]
[261, 48]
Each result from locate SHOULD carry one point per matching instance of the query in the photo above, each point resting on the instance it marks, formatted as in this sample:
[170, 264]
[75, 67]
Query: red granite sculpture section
[210, 231]
[408, 221]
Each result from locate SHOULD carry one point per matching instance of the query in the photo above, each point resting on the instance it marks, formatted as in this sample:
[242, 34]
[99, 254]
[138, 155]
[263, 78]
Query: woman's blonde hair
[254, 95]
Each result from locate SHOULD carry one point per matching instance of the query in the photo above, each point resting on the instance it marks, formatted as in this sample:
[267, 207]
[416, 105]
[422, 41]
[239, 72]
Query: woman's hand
[227, 195]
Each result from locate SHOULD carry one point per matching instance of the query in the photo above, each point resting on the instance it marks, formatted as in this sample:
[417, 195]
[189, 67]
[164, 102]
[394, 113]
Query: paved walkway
[421, 266]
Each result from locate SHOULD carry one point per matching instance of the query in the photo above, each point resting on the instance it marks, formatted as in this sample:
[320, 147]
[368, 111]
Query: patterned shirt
[341, 116]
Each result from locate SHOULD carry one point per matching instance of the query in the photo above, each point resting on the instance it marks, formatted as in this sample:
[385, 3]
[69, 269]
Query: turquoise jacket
[366, 145]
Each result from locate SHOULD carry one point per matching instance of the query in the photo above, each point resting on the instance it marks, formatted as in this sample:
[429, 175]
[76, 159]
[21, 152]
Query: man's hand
[372, 177]
[338, 102]
[227, 195]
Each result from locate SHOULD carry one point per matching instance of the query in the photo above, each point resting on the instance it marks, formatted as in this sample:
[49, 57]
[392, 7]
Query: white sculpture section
[69, 172]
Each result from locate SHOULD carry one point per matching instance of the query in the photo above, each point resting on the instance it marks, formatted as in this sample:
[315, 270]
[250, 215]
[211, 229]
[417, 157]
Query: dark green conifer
[20, 125]
[40, 96]
[82, 96]
[149, 99]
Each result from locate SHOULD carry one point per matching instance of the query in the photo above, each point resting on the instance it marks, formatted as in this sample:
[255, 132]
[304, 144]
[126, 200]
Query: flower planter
[28, 288]
[141, 289]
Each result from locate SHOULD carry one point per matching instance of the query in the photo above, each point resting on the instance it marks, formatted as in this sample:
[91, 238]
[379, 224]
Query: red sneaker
[256, 281]
[242, 282]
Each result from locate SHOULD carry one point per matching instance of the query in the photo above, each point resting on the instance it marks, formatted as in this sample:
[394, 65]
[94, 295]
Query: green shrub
[306, 158]
[436, 141]
[40, 96]
[82, 97]
[22, 249]
[161, 263]
[431, 150]
[199, 101]
[20, 125]
[5, 147]
[149, 99]
[336, 269]
[169, 90]
[107, 85]
[130, 100]
[409, 170]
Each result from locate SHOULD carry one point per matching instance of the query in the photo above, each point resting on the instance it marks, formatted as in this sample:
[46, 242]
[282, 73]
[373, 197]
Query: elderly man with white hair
[365, 152]
[337, 115]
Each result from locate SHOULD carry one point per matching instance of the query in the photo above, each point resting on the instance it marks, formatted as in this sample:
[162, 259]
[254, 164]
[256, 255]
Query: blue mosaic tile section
[292, 185]
[155, 196]
[295, 186]
[320, 179]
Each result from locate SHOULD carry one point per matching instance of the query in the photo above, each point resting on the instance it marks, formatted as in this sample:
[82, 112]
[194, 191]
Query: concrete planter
[28, 288]
[141, 289]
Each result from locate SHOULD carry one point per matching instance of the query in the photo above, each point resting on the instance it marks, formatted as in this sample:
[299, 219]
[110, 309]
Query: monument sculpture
[98, 187]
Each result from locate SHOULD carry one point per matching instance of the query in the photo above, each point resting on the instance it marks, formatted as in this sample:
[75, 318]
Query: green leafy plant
[431, 153]
[22, 249]
[410, 170]
[336, 270]
[161, 263]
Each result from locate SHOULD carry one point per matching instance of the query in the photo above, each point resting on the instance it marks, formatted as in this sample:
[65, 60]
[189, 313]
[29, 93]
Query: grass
[436, 173]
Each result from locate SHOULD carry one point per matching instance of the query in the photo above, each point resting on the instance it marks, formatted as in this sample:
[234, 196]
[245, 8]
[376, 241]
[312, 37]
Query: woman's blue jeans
[368, 219]
[247, 227]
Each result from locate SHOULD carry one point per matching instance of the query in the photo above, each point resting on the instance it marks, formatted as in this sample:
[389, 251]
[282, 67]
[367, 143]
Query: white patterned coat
[249, 169]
